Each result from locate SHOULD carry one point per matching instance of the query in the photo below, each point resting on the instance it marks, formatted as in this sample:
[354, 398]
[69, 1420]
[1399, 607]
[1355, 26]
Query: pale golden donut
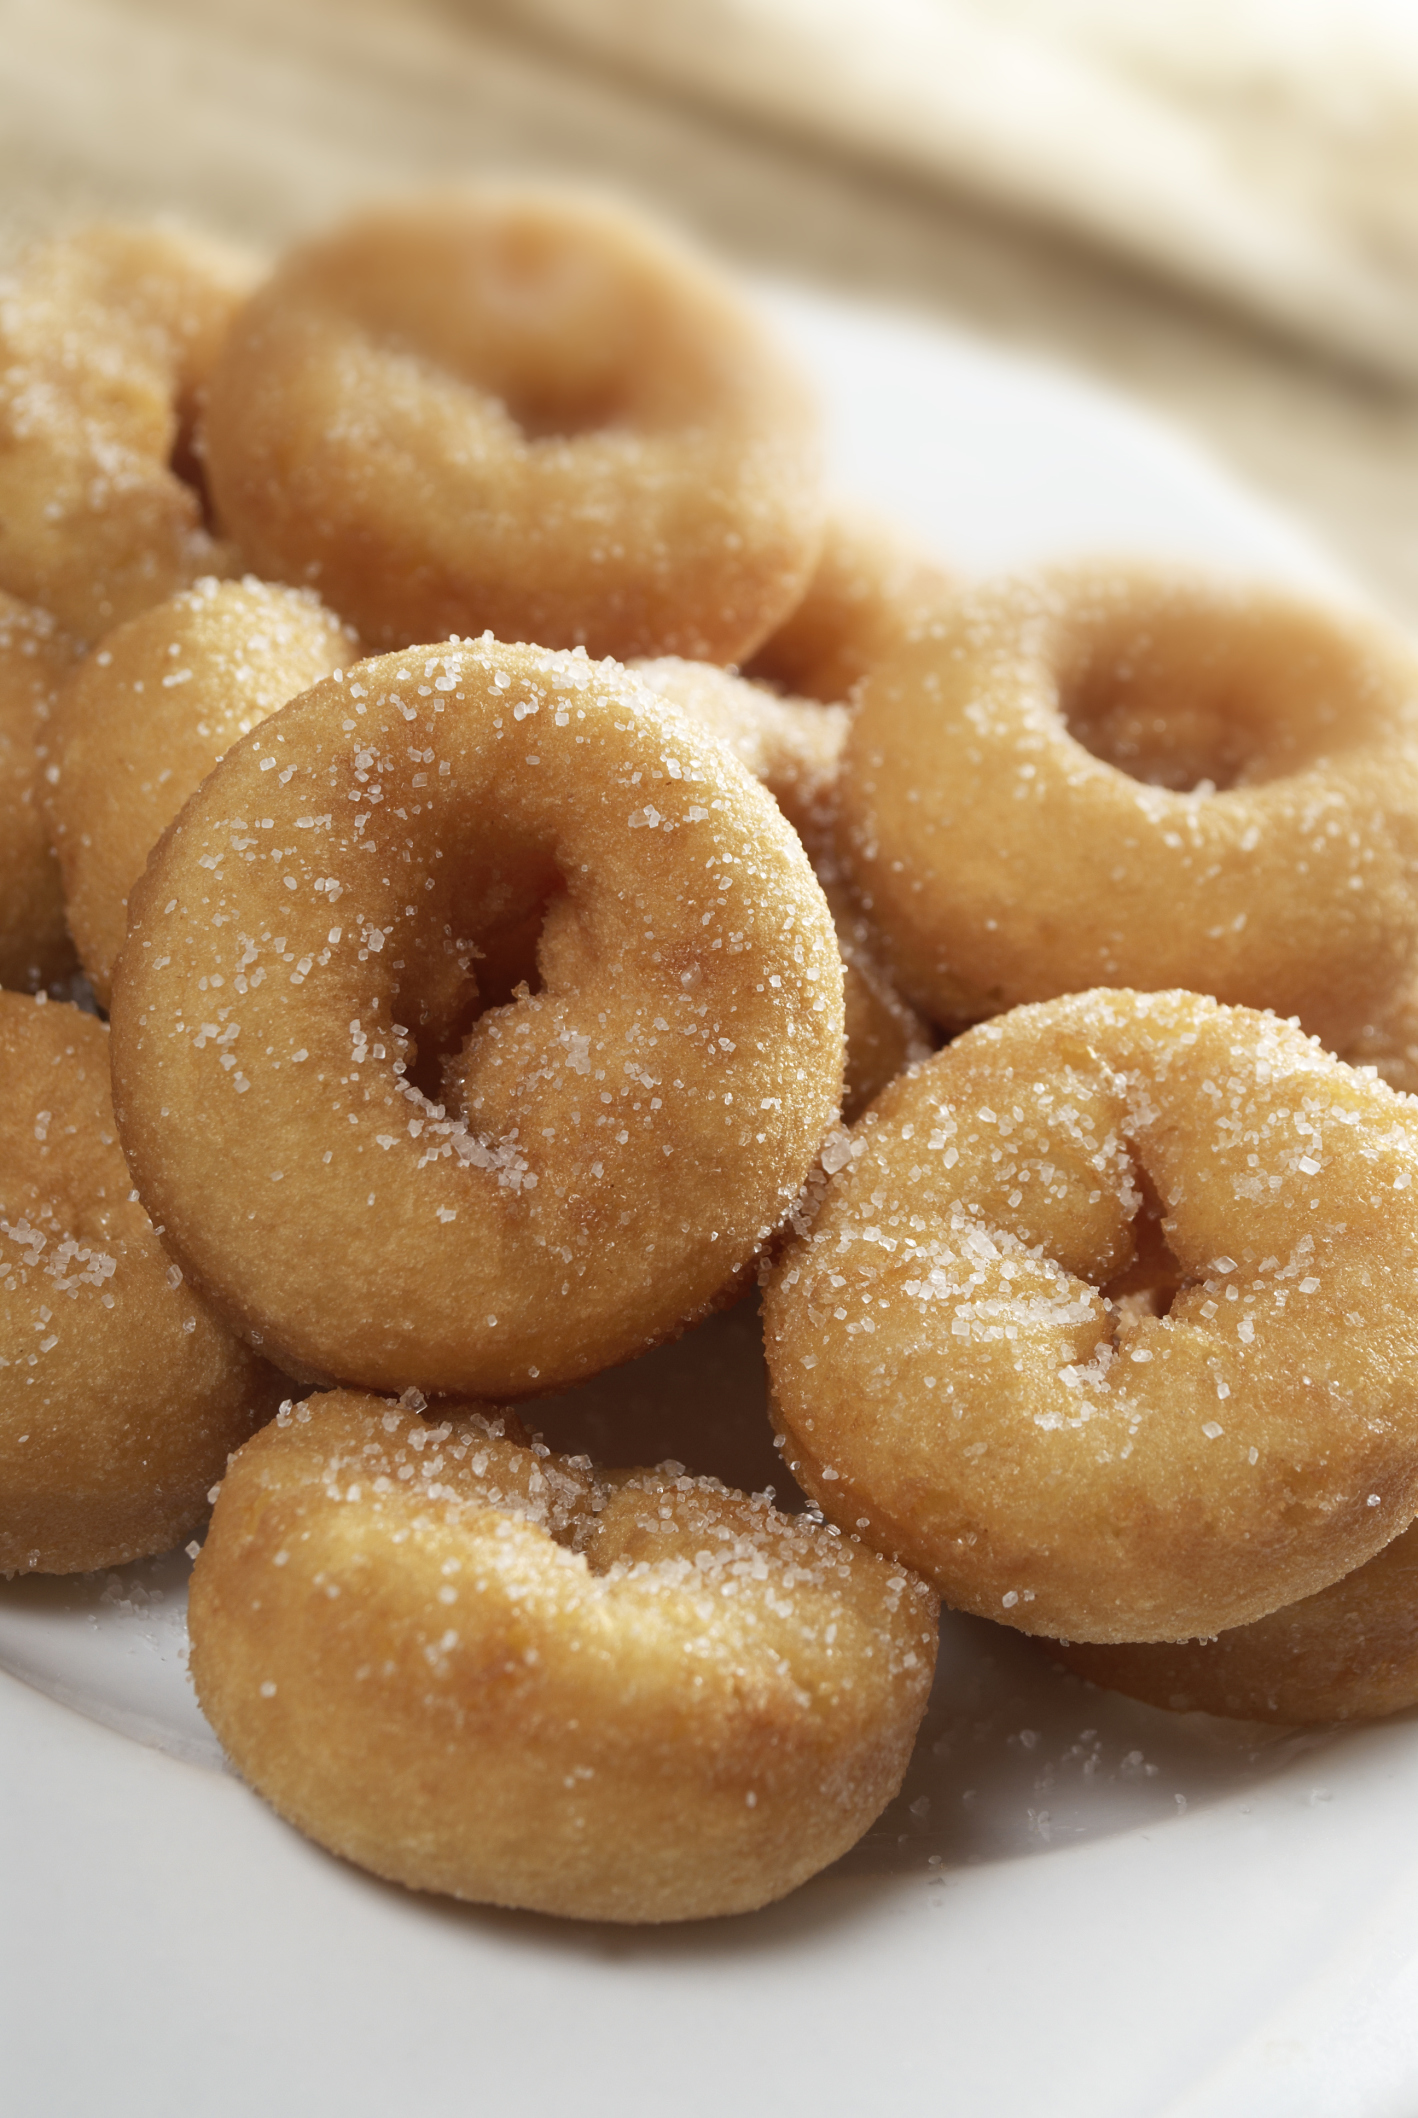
[870, 585]
[107, 336]
[120, 1394]
[35, 657]
[146, 716]
[611, 1150]
[518, 410]
[1108, 777]
[967, 1354]
[1389, 1041]
[479, 1668]
[1349, 1653]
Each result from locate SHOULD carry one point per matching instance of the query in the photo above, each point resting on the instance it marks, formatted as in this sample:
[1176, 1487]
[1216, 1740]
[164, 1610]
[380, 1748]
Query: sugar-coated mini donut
[972, 1353]
[519, 410]
[1349, 1653]
[606, 1154]
[120, 1394]
[107, 336]
[478, 1668]
[1388, 1041]
[1114, 777]
[145, 717]
[870, 584]
[35, 657]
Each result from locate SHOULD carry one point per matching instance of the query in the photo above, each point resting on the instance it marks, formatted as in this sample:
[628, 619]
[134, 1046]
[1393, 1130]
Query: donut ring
[1007, 862]
[35, 657]
[120, 1395]
[477, 1668]
[145, 717]
[107, 337]
[1349, 1653]
[965, 1349]
[871, 584]
[520, 411]
[609, 1153]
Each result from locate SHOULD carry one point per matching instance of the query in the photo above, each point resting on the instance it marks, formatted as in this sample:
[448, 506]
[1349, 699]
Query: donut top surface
[482, 963]
[524, 411]
[1114, 776]
[1107, 1319]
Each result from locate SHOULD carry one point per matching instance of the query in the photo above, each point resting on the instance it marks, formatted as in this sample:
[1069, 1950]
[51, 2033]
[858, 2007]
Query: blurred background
[1210, 204]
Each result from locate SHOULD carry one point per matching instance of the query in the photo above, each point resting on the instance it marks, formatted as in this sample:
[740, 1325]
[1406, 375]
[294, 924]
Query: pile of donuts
[492, 868]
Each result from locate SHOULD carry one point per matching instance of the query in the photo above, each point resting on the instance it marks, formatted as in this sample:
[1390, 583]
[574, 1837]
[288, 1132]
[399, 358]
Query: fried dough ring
[955, 1383]
[35, 658]
[1349, 1653]
[870, 585]
[616, 1146]
[522, 411]
[481, 1669]
[107, 336]
[145, 717]
[120, 1394]
[1015, 806]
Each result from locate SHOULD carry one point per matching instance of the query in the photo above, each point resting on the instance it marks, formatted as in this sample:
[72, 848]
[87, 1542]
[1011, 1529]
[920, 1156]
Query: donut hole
[1198, 702]
[1151, 1282]
[187, 462]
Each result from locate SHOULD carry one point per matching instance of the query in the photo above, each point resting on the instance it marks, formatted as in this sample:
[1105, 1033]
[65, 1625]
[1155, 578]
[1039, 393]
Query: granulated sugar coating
[793, 746]
[1348, 1653]
[107, 337]
[377, 1192]
[35, 657]
[145, 718]
[479, 1668]
[120, 1395]
[525, 411]
[1107, 1320]
[1105, 777]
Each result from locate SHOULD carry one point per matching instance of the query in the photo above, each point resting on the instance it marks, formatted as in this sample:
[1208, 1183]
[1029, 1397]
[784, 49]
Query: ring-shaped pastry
[1109, 777]
[523, 411]
[476, 1667]
[1107, 1321]
[380, 1192]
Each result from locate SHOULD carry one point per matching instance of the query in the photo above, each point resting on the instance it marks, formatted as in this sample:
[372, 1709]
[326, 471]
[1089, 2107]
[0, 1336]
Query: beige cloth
[1265, 151]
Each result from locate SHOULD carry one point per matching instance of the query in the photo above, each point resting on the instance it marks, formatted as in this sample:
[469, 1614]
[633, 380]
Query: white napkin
[1265, 150]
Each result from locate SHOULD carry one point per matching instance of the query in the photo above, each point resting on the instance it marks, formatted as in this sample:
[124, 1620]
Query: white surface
[1078, 1905]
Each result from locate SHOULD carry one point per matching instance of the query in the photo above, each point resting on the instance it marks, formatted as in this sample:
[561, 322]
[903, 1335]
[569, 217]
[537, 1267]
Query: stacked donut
[483, 784]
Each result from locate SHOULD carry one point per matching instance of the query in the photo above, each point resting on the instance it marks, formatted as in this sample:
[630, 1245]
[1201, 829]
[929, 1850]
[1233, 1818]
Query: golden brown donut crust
[870, 585]
[955, 1383]
[35, 657]
[1349, 1653]
[145, 717]
[1016, 812]
[521, 411]
[611, 1150]
[120, 1394]
[107, 337]
[479, 1668]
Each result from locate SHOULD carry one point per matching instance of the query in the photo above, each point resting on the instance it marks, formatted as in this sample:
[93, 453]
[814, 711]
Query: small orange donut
[1119, 778]
[870, 585]
[107, 337]
[516, 1197]
[146, 716]
[120, 1395]
[974, 1359]
[523, 411]
[35, 657]
[479, 1668]
[1348, 1654]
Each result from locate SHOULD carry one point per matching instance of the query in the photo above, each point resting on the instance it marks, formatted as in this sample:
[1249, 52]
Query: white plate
[1078, 1905]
